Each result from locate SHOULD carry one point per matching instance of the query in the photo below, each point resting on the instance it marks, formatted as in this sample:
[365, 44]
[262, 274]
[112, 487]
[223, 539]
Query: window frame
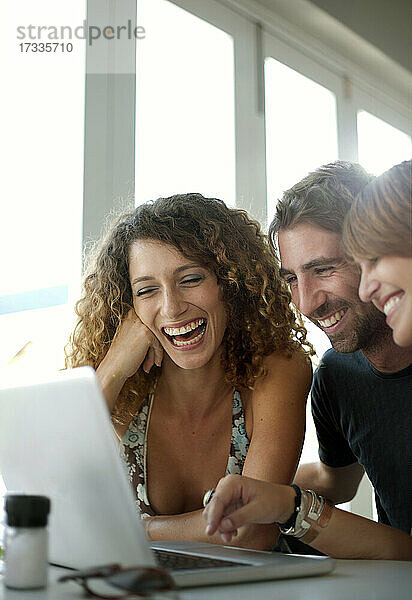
[257, 32]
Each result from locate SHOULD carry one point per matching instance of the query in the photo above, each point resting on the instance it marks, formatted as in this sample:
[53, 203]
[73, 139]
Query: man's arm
[338, 484]
[240, 500]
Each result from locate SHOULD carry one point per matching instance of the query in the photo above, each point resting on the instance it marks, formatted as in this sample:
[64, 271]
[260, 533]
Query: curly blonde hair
[224, 240]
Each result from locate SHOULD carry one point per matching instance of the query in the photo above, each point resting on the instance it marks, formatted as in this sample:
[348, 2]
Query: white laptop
[56, 439]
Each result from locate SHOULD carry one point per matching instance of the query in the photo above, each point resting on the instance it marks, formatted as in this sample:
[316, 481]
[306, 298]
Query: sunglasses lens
[101, 588]
[141, 580]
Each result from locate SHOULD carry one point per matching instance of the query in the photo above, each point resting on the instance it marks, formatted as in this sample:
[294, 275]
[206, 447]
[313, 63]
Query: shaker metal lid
[27, 511]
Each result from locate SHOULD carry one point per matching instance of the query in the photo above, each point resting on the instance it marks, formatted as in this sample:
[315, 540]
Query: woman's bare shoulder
[297, 364]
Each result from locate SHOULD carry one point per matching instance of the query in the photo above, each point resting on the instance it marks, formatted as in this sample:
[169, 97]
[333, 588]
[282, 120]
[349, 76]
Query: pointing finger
[226, 498]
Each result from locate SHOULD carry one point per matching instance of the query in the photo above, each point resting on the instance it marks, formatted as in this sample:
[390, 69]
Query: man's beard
[367, 328]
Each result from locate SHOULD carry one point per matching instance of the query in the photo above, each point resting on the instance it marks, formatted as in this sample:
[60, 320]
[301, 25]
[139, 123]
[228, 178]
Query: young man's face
[324, 287]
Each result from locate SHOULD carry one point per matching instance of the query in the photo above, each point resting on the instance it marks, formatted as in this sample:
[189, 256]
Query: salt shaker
[26, 541]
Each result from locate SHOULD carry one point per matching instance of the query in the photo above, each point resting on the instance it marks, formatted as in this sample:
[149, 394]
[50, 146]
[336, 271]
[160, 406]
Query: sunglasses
[134, 581]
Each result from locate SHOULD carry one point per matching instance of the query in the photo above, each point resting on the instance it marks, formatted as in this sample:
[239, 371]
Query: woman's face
[387, 282]
[179, 301]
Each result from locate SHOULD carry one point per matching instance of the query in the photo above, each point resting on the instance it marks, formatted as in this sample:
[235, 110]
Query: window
[301, 131]
[42, 187]
[380, 145]
[185, 140]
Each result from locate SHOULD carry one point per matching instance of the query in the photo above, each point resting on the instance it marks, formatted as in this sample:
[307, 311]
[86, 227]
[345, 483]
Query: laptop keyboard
[174, 561]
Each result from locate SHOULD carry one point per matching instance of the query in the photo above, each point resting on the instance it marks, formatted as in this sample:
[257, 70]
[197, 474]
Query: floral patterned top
[133, 449]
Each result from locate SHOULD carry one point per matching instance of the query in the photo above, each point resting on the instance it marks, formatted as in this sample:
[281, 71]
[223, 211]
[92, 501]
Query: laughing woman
[187, 322]
[378, 235]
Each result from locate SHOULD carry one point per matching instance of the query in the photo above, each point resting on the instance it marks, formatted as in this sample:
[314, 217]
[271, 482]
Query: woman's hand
[132, 345]
[241, 500]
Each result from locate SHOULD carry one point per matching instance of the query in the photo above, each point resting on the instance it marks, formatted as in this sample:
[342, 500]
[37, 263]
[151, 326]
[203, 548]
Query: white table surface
[351, 580]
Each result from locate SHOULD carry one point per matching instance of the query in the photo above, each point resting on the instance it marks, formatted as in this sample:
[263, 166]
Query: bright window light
[380, 145]
[185, 137]
[42, 124]
[301, 130]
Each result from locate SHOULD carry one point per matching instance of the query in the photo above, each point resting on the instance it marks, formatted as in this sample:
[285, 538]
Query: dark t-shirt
[365, 416]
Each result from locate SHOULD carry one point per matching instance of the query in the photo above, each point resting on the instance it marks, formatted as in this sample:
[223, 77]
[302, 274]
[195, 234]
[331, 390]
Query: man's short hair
[322, 198]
